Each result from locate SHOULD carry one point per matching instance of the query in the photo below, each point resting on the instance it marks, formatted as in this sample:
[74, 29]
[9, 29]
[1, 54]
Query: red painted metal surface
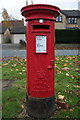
[40, 49]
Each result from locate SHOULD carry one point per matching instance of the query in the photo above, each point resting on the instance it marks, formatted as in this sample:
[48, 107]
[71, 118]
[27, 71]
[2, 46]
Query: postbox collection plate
[41, 44]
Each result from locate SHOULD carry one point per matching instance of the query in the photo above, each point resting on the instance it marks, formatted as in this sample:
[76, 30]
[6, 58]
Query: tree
[5, 15]
[7, 18]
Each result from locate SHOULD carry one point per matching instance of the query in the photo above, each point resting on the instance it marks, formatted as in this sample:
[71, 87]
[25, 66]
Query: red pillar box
[40, 36]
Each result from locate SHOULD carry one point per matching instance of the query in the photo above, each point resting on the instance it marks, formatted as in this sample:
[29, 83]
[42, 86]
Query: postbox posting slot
[41, 27]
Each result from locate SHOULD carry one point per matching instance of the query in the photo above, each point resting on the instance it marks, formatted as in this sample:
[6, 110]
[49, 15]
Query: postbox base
[40, 107]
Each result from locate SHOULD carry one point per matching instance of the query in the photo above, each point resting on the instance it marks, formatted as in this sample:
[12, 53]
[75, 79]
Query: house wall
[16, 38]
[71, 25]
[1, 38]
[64, 24]
[61, 25]
[7, 36]
[78, 21]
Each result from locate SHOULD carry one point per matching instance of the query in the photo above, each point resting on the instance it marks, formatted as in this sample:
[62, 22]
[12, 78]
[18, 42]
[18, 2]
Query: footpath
[12, 50]
[67, 46]
[57, 46]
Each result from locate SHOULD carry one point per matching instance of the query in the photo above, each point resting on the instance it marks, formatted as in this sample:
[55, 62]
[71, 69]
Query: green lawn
[66, 87]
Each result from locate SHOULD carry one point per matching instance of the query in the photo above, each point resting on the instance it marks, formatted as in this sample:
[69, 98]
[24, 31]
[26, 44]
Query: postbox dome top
[39, 11]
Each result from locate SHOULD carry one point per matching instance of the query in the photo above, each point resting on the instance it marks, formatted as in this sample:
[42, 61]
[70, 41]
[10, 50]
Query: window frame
[59, 19]
[72, 20]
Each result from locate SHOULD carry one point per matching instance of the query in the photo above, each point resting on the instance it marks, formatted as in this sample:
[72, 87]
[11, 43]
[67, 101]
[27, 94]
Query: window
[72, 20]
[59, 19]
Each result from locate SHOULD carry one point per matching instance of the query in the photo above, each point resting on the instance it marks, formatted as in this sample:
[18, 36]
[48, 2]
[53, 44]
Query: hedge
[68, 36]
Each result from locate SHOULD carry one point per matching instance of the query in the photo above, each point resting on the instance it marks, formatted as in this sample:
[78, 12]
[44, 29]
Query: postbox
[40, 36]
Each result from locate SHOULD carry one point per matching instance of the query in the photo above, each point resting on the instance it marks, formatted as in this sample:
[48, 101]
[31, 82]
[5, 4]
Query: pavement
[10, 46]
[67, 46]
[14, 53]
[13, 50]
[57, 46]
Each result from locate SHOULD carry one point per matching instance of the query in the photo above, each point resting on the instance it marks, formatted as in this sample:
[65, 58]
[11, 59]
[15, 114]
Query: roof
[2, 29]
[18, 30]
[71, 13]
[13, 23]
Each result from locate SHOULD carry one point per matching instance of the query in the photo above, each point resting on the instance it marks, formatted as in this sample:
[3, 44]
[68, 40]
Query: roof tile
[71, 13]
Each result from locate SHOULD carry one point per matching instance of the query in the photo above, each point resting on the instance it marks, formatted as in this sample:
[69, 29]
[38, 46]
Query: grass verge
[66, 87]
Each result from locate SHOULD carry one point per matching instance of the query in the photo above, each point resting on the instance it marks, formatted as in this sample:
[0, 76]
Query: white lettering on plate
[41, 44]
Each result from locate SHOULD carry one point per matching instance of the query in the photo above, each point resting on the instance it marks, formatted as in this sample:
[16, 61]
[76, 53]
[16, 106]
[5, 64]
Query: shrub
[67, 36]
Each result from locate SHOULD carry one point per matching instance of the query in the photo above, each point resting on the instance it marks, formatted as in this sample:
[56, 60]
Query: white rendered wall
[17, 37]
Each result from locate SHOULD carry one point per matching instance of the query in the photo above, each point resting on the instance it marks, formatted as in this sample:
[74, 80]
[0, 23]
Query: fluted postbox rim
[40, 7]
